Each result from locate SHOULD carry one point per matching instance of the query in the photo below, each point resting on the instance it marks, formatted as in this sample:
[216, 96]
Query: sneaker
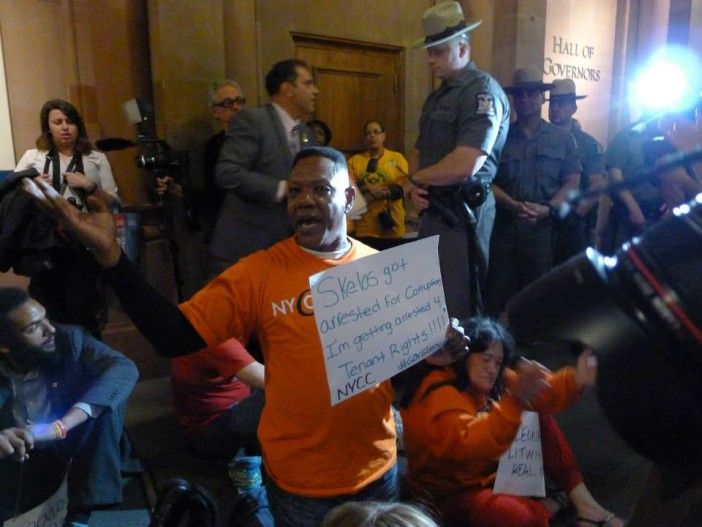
[77, 517]
[245, 472]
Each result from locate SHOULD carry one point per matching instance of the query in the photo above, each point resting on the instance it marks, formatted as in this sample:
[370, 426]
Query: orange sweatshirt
[451, 445]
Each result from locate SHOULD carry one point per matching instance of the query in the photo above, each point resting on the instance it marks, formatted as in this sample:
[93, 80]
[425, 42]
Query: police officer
[539, 166]
[462, 129]
[574, 233]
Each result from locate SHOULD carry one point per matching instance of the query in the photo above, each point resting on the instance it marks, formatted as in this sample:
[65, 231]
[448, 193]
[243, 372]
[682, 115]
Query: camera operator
[379, 174]
[462, 129]
[538, 168]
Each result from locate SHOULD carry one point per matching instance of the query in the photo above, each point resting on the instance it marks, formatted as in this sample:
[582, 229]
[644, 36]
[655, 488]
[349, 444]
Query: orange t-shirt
[310, 448]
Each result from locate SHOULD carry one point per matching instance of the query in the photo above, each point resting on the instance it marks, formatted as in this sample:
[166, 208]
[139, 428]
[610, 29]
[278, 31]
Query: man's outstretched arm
[158, 319]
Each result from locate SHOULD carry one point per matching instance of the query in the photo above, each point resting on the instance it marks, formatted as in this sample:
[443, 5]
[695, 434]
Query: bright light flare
[670, 81]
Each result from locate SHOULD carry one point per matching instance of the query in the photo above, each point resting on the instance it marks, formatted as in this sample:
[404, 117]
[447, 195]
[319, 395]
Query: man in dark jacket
[62, 396]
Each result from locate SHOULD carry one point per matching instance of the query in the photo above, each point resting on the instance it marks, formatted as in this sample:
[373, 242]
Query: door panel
[357, 82]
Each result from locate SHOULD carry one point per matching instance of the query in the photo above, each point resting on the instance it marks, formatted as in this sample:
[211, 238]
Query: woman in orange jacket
[464, 416]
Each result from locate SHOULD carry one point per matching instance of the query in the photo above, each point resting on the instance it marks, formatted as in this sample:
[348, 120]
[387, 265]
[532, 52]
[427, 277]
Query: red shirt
[204, 384]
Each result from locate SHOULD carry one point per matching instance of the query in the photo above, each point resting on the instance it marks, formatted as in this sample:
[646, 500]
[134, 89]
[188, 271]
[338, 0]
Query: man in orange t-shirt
[316, 456]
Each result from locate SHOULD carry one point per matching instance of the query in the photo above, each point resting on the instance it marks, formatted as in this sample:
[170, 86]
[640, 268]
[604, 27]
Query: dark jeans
[91, 456]
[232, 430]
[290, 510]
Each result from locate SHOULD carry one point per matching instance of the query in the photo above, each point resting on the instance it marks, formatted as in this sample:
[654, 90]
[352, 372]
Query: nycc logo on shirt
[302, 305]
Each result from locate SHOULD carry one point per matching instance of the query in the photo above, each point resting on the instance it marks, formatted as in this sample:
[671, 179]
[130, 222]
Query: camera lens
[641, 311]
[142, 161]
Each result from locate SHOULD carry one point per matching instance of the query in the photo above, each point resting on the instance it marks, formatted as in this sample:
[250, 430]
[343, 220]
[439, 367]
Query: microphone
[114, 143]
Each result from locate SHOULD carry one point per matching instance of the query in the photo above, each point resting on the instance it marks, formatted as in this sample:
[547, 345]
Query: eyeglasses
[229, 103]
[372, 165]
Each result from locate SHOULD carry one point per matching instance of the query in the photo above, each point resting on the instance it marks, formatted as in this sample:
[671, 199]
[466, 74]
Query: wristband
[59, 429]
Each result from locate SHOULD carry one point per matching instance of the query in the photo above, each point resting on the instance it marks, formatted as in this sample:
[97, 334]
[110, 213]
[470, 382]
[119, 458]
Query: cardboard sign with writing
[379, 315]
[521, 468]
[50, 513]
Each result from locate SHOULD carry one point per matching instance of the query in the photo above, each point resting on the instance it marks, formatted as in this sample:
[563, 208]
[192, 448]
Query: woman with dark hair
[464, 416]
[66, 159]
[379, 174]
[66, 282]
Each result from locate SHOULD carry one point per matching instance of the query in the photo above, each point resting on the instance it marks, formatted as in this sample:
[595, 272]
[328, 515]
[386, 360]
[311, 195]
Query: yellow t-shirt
[310, 448]
[386, 174]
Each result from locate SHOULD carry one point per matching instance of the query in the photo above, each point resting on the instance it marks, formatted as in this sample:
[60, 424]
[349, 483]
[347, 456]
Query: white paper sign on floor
[379, 315]
[521, 468]
[50, 513]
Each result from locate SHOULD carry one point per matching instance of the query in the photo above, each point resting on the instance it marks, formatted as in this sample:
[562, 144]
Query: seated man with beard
[62, 395]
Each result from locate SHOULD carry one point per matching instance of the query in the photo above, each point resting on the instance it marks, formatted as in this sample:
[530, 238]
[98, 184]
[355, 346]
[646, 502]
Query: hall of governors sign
[569, 59]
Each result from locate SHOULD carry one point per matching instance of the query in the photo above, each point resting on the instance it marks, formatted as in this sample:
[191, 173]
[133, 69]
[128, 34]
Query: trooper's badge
[485, 104]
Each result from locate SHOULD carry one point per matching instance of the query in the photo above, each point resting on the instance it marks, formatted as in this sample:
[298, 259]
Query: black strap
[53, 159]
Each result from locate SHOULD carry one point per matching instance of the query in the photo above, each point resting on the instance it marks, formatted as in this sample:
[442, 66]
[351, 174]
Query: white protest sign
[379, 315]
[521, 468]
[50, 513]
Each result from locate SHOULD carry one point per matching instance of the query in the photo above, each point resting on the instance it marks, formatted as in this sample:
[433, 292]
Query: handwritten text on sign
[379, 315]
[520, 471]
[49, 513]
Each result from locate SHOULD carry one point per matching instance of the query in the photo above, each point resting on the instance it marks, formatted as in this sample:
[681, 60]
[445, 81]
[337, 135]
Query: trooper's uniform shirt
[470, 110]
[531, 169]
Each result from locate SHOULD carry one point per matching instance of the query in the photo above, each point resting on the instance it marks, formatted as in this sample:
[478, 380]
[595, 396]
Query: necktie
[300, 138]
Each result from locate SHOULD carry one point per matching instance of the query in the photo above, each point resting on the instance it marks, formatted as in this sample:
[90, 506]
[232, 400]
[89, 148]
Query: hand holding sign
[456, 344]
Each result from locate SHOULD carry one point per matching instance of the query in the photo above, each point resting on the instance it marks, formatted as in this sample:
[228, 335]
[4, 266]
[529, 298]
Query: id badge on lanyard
[57, 180]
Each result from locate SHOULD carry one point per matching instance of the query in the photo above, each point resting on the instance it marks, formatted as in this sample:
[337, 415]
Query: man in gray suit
[255, 161]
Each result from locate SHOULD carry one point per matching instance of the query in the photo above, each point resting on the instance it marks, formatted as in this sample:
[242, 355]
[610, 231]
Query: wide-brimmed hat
[442, 22]
[528, 78]
[564, 89]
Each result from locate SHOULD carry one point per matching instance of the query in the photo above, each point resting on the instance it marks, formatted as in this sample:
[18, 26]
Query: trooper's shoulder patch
[485, 104]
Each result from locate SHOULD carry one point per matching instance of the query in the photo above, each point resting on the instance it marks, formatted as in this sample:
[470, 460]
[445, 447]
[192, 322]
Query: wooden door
[357, 81]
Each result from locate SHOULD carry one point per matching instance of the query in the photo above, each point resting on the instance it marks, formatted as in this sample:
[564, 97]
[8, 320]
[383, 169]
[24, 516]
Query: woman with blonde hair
[377, 514]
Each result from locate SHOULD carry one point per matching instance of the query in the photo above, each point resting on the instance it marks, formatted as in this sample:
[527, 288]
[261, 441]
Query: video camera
[157, 157]
[641, 311]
